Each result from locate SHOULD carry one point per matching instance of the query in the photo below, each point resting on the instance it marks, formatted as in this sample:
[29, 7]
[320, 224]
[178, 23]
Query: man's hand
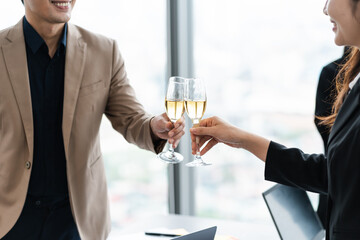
[163, 128]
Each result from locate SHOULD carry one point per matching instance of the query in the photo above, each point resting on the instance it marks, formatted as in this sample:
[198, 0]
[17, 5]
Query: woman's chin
[339, 42]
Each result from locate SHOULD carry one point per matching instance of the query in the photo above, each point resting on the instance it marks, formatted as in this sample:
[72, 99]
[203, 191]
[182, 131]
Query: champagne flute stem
[197, 141]
[197, 156]
[171, 150]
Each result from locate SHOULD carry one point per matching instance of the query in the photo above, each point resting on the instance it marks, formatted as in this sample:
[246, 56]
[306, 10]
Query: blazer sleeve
[292, 167]
[125, 112]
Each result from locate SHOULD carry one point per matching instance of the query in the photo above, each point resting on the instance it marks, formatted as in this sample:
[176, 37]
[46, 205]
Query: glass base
[197, 163]
[171, 157]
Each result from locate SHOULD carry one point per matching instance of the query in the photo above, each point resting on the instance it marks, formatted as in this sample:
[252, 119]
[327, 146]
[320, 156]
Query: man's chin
[60, 20]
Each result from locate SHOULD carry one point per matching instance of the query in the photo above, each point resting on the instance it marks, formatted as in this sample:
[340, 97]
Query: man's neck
[50, 32]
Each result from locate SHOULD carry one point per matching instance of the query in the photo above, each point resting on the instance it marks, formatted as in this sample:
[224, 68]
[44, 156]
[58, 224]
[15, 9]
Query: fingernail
[171, 134]
[176, 125]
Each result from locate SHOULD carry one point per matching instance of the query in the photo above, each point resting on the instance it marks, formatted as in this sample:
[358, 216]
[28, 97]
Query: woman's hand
[215, 130]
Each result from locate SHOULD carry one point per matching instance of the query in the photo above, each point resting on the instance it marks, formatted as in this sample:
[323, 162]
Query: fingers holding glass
[210, 144]
[205, 144]
[195, 105]
[178, 130]
[175, 107]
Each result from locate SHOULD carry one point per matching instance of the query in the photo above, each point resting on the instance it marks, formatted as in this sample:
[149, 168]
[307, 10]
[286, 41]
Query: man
[57, 80]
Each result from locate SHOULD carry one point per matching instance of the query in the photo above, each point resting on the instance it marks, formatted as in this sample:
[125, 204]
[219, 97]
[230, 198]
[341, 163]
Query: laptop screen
[206, 234]
[292, 213]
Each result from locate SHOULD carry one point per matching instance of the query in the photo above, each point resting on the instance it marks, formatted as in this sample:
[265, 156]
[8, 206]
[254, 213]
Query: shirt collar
[35, 41]
[64, 36]
[353, 82]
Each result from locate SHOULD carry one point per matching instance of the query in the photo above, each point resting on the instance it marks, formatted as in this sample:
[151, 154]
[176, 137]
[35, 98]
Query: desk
[240, 230]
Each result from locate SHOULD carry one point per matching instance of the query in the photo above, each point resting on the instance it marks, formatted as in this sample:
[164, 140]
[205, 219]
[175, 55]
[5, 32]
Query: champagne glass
[175, 107]
[195, 103]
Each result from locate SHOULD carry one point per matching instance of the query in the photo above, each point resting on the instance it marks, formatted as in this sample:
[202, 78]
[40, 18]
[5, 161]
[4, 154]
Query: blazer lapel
[16, 63]
[349, 106]
[74, 69]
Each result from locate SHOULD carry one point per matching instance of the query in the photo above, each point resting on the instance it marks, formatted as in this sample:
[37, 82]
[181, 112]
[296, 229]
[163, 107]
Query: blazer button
[28, 165]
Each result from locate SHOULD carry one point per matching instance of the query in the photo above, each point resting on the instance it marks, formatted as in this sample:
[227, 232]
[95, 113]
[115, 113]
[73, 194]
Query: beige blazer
[95, 84]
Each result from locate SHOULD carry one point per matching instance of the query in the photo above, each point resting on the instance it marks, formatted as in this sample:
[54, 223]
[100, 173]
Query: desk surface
[239, 230]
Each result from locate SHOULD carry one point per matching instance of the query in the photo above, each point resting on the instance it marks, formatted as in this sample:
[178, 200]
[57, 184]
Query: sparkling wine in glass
[175, 107]
[195, 104]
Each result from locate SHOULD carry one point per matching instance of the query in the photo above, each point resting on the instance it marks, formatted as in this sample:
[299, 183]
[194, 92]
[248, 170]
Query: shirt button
[28, 165]
[38, 203]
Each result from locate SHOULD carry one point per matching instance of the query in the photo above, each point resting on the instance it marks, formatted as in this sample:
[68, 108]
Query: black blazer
[337, 173]
[323, 105]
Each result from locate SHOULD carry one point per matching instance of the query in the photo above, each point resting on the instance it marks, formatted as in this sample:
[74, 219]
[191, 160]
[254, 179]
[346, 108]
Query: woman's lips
[335, 26]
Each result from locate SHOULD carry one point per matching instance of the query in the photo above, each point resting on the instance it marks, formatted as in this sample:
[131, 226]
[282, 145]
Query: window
[137, 180]
[261, 61]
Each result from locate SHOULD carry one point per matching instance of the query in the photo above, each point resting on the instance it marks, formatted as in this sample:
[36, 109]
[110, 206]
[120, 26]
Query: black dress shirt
[46, 75]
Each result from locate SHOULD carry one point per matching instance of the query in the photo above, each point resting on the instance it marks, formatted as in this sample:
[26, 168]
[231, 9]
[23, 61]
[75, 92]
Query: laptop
[206, 234]
[293, 214]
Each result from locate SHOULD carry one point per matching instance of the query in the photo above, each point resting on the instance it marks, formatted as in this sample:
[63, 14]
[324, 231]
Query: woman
[338, 172]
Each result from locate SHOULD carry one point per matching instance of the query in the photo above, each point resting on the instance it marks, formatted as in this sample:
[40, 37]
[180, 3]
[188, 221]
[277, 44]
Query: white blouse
[353, 82]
